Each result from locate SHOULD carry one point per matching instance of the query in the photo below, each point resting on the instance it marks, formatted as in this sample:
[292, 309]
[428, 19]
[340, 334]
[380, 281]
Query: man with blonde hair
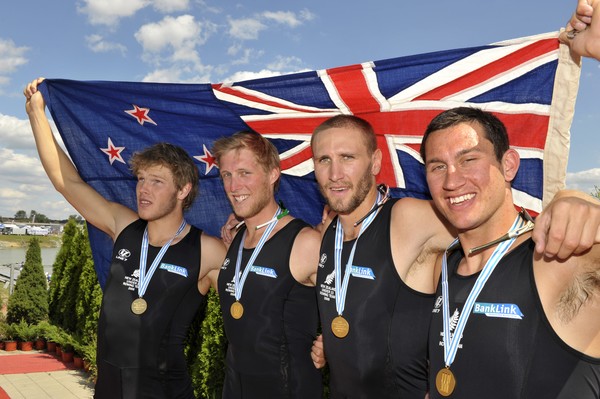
[266, 283]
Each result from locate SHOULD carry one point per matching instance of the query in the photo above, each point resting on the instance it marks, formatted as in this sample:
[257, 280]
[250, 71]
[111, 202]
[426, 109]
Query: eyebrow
[459, 154]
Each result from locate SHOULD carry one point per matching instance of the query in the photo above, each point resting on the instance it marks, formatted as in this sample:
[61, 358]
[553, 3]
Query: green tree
[30, 298]
[20, 215]
[207, 369]
[55, 295]
[68, 286]
[89, 296]
[596, 192]
[41, 218]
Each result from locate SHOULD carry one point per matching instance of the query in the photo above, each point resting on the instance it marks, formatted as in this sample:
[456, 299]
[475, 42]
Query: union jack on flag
[529, 83]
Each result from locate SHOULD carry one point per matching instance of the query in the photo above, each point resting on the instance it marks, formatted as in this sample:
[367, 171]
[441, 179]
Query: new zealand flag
[529, 83]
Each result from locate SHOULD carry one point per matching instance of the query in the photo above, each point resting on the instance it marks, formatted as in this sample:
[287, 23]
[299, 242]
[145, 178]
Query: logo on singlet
[123, 254]
[263, 271]
[131, 282]
[362, 272]
[437, 307]
[182, 271]
[322, 260]
[225, 264]
[503, 310]
[453, 323]
[329, 278]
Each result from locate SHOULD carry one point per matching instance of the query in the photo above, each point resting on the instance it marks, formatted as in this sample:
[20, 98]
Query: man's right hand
[34, 100]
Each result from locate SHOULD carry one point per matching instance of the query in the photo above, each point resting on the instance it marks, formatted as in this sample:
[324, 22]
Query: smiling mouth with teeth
[462, 198]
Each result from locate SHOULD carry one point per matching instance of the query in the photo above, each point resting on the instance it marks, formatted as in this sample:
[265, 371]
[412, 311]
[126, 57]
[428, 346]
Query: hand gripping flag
[529, 83]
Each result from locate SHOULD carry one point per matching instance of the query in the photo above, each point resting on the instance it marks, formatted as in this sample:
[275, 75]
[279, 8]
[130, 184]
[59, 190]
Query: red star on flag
[113, 152]
[141, 114]
[207, 159]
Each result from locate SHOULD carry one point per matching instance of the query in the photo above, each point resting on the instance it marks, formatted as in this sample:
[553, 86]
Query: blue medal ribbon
[451, 342]
[342, 289]
[145, 278]
[237, 281]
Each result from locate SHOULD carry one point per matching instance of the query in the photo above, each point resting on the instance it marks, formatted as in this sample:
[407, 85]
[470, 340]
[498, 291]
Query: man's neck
[264, 216]
[160, 231]
[348, 220]
[487, 232]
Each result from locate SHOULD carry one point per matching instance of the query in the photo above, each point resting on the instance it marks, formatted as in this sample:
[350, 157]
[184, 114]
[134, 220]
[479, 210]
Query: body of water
[10, 256]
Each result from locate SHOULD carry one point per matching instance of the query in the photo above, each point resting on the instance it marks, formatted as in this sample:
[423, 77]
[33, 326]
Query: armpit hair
[586, 287]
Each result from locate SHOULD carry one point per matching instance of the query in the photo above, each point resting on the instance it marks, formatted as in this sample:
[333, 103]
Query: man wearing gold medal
[375, 283]
[510, 323]
[266, 282]
[154, 287]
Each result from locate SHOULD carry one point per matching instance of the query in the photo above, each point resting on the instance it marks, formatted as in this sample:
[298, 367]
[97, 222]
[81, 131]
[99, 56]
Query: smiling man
[266, 283]
[376, 276]
[509, 323]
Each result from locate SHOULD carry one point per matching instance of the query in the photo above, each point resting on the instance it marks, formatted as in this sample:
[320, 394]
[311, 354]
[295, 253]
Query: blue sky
[213, 41]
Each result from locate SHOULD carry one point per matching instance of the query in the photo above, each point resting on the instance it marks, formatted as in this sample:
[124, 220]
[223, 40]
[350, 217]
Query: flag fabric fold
[529, 83]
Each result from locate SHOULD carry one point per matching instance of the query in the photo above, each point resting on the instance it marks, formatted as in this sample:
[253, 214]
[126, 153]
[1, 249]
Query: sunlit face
[344, 170]
[468, 184]
[157, 195]
[248, 186]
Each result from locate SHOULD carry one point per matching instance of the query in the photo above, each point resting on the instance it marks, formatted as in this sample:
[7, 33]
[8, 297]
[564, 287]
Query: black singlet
[385, 352]
[268, 355]
[141, 356]
[509, 349]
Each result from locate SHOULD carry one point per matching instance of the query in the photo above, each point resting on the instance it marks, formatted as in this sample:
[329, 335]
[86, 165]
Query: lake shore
[15, 241]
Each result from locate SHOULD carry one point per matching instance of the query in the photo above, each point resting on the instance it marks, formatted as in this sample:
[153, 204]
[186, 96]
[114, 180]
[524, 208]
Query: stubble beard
[165, 210]
[261, 202]
[362, 190]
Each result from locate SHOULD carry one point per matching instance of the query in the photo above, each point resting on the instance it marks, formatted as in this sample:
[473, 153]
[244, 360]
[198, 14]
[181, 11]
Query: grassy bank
[15, 241]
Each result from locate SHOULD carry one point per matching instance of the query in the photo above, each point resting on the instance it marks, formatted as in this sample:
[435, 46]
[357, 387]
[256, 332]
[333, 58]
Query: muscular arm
[569, 291]
[304, 259]
[418, 235]
[211, 260]
[110, 217]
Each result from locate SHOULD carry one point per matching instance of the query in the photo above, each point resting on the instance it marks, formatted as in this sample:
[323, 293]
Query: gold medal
[340, 327]
[139, 306]
[445, 382]
[236, 310]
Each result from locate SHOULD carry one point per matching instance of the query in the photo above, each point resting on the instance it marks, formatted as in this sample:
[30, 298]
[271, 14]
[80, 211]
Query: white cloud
[11, 58]
[19, 168]
[171, 46]
[584, 180]
[12, 193]
[167, 6]
[306, 15]
[248, 75]
[248, 55]
[178, 37]
[234, 49]
[109, 12]
[283, 17]
[289, 18]
[249, 28]
[43, 199]
[285, 63]
[245, 28]
[16, 133]
[179, 75]
[25, 185]
[97, 44]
